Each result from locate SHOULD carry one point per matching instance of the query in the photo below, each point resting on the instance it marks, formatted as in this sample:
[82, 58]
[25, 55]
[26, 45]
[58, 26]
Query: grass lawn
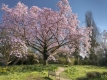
[26, 72]
[40, 72]
[74, 72]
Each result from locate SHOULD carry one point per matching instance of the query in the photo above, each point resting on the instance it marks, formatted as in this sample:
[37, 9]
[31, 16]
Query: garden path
[61, 69]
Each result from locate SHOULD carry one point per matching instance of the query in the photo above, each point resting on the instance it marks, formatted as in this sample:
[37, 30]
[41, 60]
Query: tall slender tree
[89, 20]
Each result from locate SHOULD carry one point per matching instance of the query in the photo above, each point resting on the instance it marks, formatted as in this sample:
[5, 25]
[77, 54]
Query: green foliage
[29, 68]
[3, 71]
[93, 74]
[26, 72]
[62, 60]
[37, 77]
[40, 72]
[82, 78]
[79, 72]
[104, 73]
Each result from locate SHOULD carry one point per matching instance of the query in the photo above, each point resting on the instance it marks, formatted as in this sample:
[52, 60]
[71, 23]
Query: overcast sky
[98, 8]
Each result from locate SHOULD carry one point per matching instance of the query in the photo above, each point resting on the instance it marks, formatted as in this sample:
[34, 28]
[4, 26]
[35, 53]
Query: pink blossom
[45, 29]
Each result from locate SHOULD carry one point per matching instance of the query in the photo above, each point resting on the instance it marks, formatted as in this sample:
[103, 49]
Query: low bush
[104, 73]
[98, 74]
[93, 74]
[82, 78]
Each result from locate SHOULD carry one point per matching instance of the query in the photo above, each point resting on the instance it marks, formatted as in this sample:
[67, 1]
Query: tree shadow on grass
[47, 78]
[37, 77]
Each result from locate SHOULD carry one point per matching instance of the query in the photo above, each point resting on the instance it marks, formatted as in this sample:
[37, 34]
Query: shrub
[32, 58]
[98, 74]
[93, 75]
[82, 78]
[104, 73]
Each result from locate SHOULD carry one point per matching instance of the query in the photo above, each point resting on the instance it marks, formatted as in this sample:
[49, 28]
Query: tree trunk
[45, 57]
[45, 62]
[18, 59]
